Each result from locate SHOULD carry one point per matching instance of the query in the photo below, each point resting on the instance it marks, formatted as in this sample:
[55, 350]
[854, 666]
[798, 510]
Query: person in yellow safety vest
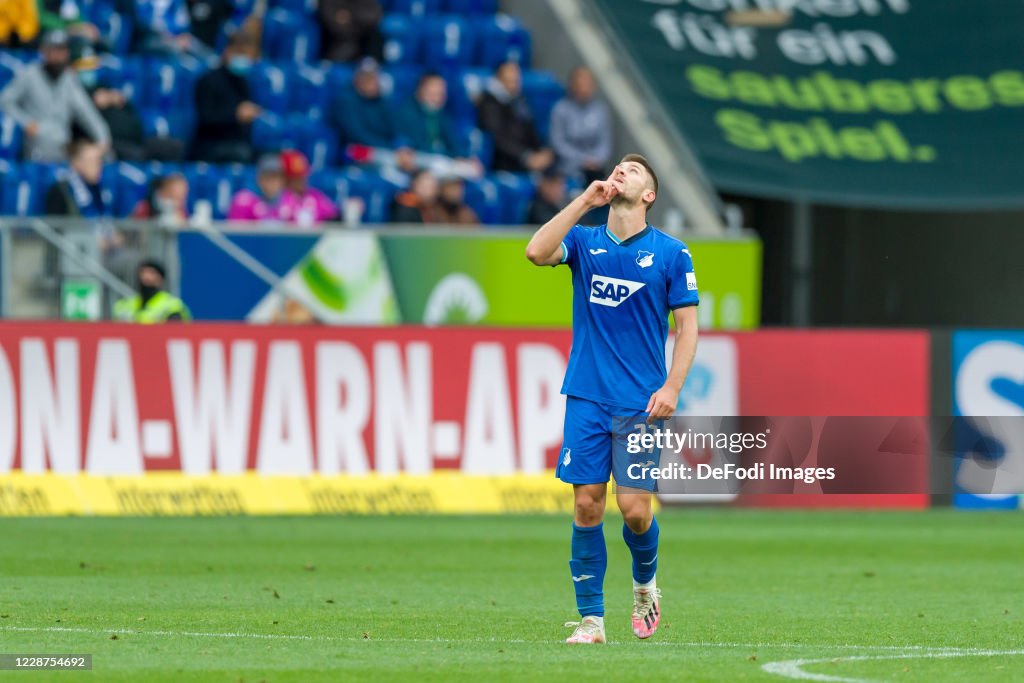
[152, 304]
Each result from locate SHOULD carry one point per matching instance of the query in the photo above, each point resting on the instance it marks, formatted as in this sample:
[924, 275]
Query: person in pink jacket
[267, 203]
[284, 195]
[301, 204]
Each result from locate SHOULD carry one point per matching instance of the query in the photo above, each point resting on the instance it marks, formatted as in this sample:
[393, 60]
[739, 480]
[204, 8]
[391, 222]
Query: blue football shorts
[596, 445]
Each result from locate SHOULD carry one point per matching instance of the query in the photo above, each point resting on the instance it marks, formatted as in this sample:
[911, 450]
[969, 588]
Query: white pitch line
[902, 649]
[793, 668]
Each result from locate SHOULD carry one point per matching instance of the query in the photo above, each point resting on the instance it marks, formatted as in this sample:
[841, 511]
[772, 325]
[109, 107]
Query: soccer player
[627, 276]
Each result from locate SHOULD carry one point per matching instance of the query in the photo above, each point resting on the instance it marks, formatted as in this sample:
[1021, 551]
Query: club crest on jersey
[611, 291]
[644, 259]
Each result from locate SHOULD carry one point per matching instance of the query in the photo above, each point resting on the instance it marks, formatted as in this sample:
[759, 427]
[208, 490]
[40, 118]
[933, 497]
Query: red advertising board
[119, 399]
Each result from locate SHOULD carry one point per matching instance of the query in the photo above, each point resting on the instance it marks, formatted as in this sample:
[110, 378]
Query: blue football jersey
[622, 295]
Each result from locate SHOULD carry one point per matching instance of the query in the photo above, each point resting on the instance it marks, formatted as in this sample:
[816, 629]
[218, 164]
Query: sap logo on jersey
[610, 291]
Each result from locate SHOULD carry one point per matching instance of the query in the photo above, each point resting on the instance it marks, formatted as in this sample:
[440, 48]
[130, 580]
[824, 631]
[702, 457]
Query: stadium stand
[461, 39]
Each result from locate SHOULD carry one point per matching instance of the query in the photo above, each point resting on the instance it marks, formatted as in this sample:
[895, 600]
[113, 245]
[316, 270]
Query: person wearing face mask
[45, 98]
[127, 135]
[152, 305]
[224, 107]
[167, 202]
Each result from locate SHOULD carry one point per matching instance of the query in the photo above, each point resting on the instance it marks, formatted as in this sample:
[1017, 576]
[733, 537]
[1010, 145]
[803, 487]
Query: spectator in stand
[167, 202]
[163, 28]
[423, 124]
[550, 199]
[123, 122]
[419, 203]
[505, 114]
[451, 205]
[224, 107]
[360, 115]
[350, 29]
[207, 17]
[264, 205]
[581, 129]
[303, 205]
[45, 98]
[77, 191]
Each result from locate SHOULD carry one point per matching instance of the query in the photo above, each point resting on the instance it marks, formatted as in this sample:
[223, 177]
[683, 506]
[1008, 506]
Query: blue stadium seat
[542, 90]
[272, 133]
[290, 37]
[166, 124]
[171, 84]
[24, 188]
[268, 84]
[128, 183]
[268, 133]
[313, 138]
[10, 138]
[295, 6]
[464, 89]
[376, 191]
[124, 74]
[515, 191]
[484, 198]
[481, 145]
[115, 28]
[307, 90]
[467, 8]
[213, 183]
[502, 39]
[398, 83]
[402, 39]
[448, 42]
[415, 8]
[338, 79]
[243, 8]
[9, 65]
[10, 178]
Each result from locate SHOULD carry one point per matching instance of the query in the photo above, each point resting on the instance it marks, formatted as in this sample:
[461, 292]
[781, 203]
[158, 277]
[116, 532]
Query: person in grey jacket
[44, 98]
[581, 129]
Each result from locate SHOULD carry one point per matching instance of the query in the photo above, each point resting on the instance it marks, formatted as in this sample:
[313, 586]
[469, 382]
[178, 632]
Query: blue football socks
[588, 564]
[644, 548]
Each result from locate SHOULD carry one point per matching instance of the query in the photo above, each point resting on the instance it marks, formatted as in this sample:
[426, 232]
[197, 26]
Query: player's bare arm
[663, 401]
[545, 247]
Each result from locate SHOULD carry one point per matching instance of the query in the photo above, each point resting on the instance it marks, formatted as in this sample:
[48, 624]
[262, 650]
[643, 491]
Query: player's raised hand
[662, 404]
[600, 192]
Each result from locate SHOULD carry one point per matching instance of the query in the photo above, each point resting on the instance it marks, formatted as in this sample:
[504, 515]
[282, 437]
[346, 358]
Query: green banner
[487, 280]
[899, 103]
[81, 300]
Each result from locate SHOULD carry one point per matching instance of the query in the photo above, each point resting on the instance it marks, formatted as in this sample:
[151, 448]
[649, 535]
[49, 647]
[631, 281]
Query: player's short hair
[642, 160]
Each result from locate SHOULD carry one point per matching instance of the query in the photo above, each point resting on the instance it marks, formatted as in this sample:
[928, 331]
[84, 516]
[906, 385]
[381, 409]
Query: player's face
[633, 184]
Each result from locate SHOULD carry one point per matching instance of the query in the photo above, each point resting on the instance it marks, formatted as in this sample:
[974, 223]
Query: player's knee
[637, 516]
[589, 510]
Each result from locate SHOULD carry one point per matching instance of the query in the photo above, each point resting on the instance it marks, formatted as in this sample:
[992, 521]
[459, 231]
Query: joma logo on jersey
[610, 291]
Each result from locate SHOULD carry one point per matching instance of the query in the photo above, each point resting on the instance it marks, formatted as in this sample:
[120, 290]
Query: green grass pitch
[748, 596]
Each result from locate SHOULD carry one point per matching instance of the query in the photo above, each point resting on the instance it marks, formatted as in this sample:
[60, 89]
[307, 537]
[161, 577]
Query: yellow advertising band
[174, 493]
